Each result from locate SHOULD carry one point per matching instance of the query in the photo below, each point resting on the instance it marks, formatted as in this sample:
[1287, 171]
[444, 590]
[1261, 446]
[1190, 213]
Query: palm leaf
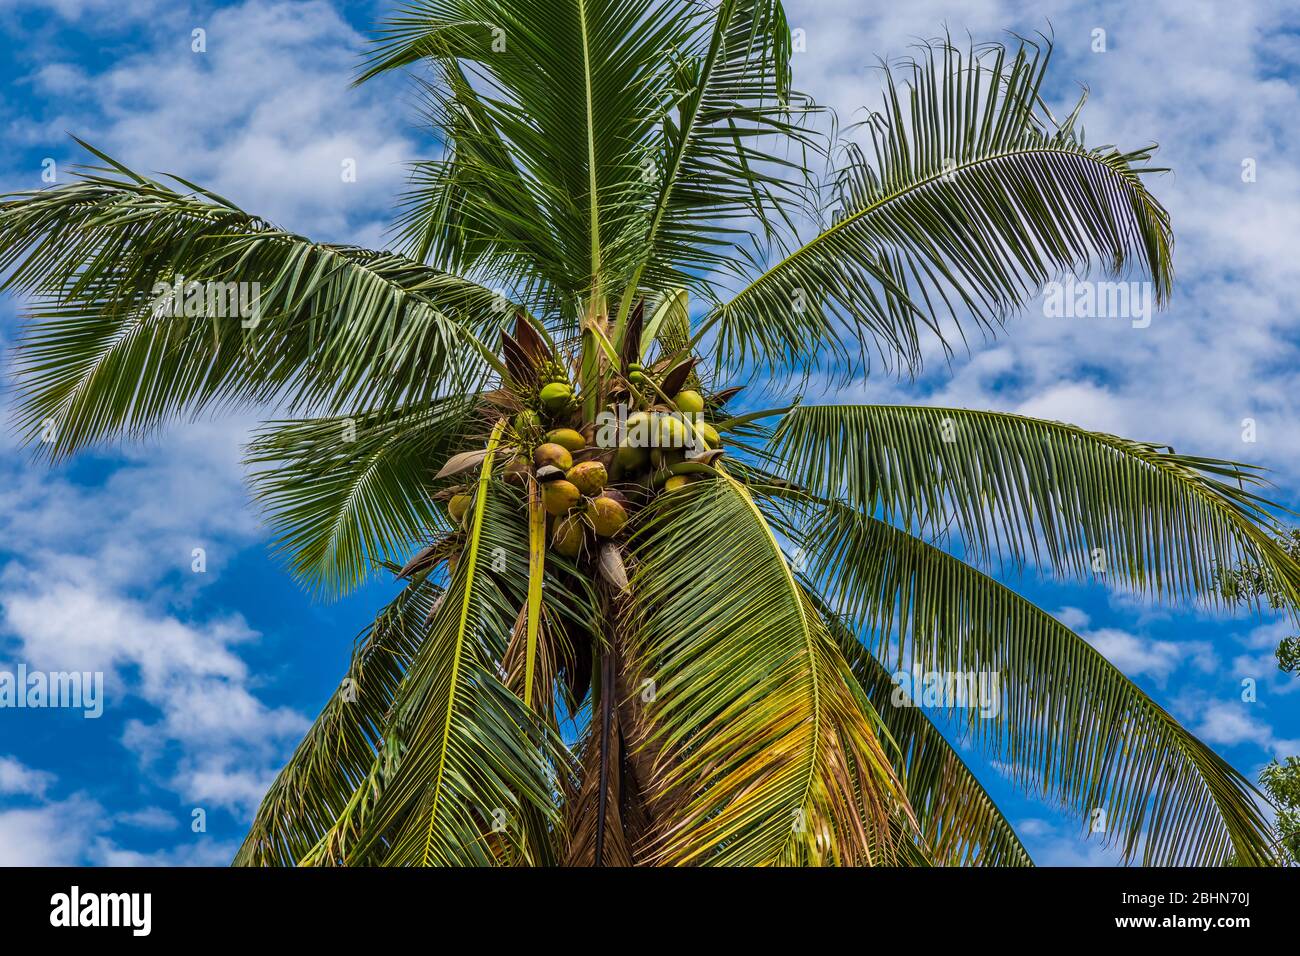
[975, 197]
[333, 760]
[769, 750]
[1068, 724]
[1085, 502]
[345, 493]
[467, 770]
[330, 326]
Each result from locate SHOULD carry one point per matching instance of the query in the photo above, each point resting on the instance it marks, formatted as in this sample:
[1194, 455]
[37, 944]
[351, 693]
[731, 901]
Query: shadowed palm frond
[468, 775]
[778, 761]
[346, 493]
[958, 821]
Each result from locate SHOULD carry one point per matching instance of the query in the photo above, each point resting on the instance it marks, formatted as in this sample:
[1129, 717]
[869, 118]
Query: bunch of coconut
[575, 494]
[666, 448]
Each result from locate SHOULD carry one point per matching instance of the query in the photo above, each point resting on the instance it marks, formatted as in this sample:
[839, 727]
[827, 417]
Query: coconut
[567, 438]
[458, 505]
[589, 476]
[670, 432]
[557, 456]
[556, 396]
[606, 515]
[567, 536]
[689, 401]
[560, 497]
[528, 421]
[711, 435]
[630, 458]
[677, 482]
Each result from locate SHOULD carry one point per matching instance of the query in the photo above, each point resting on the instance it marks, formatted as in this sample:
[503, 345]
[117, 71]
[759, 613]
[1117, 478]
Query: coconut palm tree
[645, 619]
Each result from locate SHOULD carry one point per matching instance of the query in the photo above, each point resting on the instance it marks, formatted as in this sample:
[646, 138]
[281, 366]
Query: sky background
[213, 677]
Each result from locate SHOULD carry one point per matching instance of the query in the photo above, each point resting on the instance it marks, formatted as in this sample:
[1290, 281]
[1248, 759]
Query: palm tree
[628, 635]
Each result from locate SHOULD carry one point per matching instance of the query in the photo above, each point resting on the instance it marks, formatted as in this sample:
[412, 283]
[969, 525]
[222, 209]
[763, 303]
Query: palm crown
[636, 636]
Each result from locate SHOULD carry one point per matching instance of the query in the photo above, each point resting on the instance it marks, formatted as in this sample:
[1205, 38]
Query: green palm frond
[344, 493]
[333, 760]
[958, 821]
[473, 209]
[1068, 724]
[575, 89]
[973, 199]
[1088, 503]
[329, 326]
[467, 772]
[769, 753]
[731, 147]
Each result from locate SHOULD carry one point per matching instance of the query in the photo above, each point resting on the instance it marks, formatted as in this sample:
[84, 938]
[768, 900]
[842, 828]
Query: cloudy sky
[212, 676]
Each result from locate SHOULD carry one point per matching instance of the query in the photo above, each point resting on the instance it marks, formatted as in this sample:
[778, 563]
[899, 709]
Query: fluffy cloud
[265, 116]
[53, 834]
[17, 779]
[1136, 655]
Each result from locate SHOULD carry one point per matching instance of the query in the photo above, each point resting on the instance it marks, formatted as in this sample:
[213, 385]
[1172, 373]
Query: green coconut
[606, 515]
[677, 482]
[560, 497]
[567, 437]
[711, 435]
[689, 401]
[556, 396]
[458, 505]
[528, 421]
[670, 432]
[589, 476]
[557, 456]
[630, 458]
[567, 536]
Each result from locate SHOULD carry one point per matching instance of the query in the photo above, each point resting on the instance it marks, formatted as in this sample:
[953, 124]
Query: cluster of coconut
[589, 485]
[571, 492]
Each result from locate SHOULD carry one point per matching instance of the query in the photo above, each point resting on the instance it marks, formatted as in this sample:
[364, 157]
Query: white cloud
[1136, 655]
[148, 818]
[55, 834]
[1226, 350]
[266, 116]
[1073, 618]
[189, 672]
[20, 780]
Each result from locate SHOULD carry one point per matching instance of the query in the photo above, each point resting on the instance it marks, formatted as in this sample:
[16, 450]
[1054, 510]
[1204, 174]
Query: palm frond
[333, 760]
[107, 259]
[344, 493]
[466, 769]
[1064, 722]
[575, 91]
[958, 820]
[1088, 503]
[732, 148]
[975, 198]
[769, 750]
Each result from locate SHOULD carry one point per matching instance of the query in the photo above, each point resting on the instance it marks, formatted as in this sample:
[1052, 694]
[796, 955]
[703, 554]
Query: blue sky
[213, 676]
